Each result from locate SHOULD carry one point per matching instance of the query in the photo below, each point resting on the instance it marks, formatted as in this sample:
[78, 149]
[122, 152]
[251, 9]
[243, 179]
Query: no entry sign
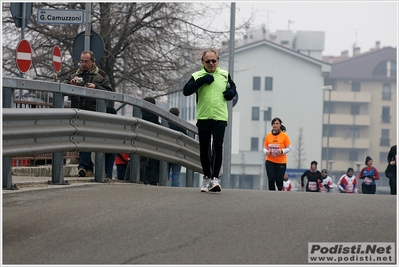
[24, 56]
[57, 58]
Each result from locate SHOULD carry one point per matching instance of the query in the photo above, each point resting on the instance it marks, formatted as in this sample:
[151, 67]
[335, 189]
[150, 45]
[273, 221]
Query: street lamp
[263, 178]
[328, 88]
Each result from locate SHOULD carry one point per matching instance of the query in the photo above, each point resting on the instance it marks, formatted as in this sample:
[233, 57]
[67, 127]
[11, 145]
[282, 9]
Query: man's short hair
[209, 50]
[92, 57]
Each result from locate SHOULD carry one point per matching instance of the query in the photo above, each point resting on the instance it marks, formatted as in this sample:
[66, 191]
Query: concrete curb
[39, 177]
[70, 170]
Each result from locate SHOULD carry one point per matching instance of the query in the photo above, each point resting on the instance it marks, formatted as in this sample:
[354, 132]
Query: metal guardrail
[57, 130]
[60, 130]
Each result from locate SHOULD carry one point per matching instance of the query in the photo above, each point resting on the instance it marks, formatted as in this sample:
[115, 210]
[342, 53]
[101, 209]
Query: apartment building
[360, 110]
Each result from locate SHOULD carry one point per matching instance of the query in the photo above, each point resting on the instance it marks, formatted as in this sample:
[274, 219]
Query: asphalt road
[122, 223]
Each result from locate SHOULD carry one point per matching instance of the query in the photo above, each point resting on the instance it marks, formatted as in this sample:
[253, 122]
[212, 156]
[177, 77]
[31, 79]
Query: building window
[354, 133]
[267, 114]
[256, 83]
[326, 129]
[386, 117]
[254, 143]
[384, 141]
[268, 83]
[386, 91]
[285, 42]
[393, 68]
[355, 109]
[328, 107]
[385, 69]
[353, 155]
[255, 113]
[355, 87]
[383, 157]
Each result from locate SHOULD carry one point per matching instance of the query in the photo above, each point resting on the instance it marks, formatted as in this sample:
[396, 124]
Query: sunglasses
[209, 61]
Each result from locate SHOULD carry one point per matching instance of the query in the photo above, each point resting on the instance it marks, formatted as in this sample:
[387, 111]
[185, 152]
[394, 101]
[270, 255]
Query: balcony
[347, 119]
[349, 143]
[352, 97]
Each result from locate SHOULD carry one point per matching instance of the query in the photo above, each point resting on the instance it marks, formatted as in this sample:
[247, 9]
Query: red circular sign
[57, 58]
[24, 56]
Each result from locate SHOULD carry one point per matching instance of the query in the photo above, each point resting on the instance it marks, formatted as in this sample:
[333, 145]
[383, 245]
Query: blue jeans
[87, 163]
[109, 163]
[175, 174]
[121, 170]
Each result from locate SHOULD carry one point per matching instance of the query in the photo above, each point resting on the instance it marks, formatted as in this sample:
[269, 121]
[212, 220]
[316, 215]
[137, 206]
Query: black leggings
[275, 174]
[211, 157]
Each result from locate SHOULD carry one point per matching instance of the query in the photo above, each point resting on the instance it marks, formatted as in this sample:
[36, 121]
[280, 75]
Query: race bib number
[349, 188]
[274, 149]
[312, 186]
[368, 181]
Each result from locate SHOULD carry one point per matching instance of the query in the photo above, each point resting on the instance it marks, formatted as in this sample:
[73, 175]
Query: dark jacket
[392, 154]
[313, 177]
[151, 117]
[177, 128]
[94, 75]
[390, 171]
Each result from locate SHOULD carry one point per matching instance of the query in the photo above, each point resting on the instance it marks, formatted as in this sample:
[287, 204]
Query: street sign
[17, 13]
[57, 58]
[24, 56]
[96, 45]
[60, 16]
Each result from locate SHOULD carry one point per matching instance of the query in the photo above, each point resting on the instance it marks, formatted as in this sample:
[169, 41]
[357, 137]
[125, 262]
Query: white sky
[343, 22]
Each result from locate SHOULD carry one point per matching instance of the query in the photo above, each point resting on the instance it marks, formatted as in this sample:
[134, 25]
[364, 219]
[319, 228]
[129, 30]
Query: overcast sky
[344, 22]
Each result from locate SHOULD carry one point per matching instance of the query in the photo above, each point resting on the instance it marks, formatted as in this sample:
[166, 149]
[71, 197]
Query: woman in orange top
[276, 145]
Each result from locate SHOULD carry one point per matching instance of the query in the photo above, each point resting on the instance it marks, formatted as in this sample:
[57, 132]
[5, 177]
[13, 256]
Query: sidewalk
[39, 177]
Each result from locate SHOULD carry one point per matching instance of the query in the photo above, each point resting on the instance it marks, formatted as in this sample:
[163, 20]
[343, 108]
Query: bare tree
[149, 46]
[299, 155]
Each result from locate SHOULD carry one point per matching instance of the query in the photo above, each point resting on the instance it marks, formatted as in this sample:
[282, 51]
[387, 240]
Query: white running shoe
[205, 184]
[215, 186]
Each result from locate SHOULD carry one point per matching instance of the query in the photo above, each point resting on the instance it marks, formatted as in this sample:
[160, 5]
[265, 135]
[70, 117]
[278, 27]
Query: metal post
[21, 75]
[99, 164]
[264, 185]
[57, 162]
[190, 173]
[8, 97]
[163, 165]
[87, 26]
[133, 171]
[227, 137]
[328, 127]
[329, 89]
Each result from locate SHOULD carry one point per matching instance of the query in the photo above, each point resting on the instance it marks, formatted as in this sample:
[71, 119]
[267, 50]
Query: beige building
[360, 110]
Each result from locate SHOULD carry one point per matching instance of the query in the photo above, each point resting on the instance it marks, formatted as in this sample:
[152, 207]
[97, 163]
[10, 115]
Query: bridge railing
[57, 130]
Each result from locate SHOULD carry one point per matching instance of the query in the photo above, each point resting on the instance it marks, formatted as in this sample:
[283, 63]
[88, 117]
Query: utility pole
[227, 137]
